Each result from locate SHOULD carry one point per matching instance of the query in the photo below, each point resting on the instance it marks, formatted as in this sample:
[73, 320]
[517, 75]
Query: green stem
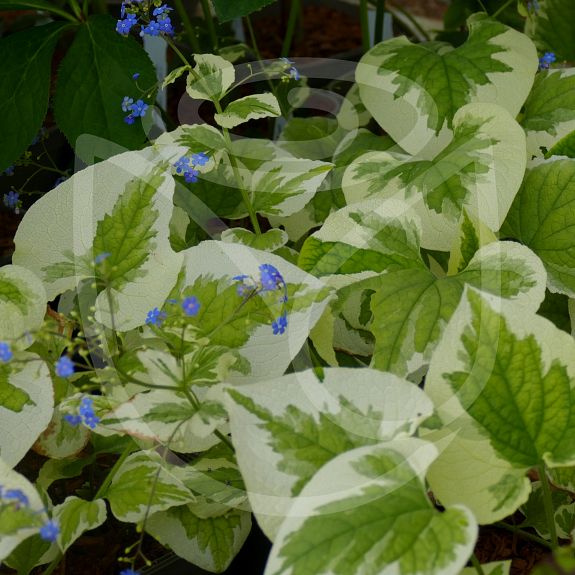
[55, 562]
[76, 9]
[497, 12]
[548, 505]
[477, 565]
[483, 6]
[210, 24]
[379, 17]
[106, 483]
[253, 40]
[364, 25]
[188, 27]
[521, 533]
[294, 14]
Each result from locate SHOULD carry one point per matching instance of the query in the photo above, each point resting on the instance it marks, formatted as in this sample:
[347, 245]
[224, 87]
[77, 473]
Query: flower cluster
[187, 166]
[131, 12]
[17, 498]
[12, 201]
[270, 280]
[5, 352]
[291, 71]
[546, 60]
[136, 109]
[85, 414]
[190, 307]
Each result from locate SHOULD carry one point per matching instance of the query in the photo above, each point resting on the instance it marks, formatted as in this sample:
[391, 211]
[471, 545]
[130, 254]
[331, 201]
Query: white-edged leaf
[210, 543]
[22, 302]
[121, 206]
[285, 429]
[145, 484]
[248, 108]
[415, 90]
[211, 78]
[479, 170]
[367, 512]
[75, 516]
[269, 241]
[26, 405]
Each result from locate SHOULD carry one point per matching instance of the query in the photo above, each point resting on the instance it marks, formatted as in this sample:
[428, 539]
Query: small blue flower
[546, 60]
[161, 10]
[11, 200]
[293, 73]
[73, 420]
[280, 324]
[270, 277]
[127, 104]
[16, 495]
[152, 29]
[135, 76]
[9, 171]
[64, 367]
[5, 352]
[129, 572]
[191, 176]
[191, 306]
[123, 27]
[49, 531]
[182, 165]
[139, 108]
[287, 61]
[129, 119]
[155, 317]
[165, 26]
[101, 257]
[200, 159]
[87, 412]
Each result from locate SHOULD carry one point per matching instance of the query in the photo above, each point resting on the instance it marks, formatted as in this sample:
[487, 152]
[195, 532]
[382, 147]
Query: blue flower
[73, 420]
[155, 317]
[188, 171]
[64, 366]
[280, 324]
[127, 104]
[191, 306]
[270, 277]
[546, 60]
[191, 176]
[139, 108]
[9, 171]
[287, 61]
[5, 352]
[135, 76]
[152, 29]
[293, 72]
[87, 412]
[533, 6]
[16, 495]
[182, 165]
[11, 200]
[101, 257]
[129, 119]
[165, 26]
[129, 572]
[161, 10]
[49, 531]
[200, 159]
[123, 27]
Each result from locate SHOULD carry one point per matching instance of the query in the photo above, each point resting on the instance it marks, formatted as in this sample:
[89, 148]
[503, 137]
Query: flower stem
[522, 533]
[497, 12]
[476, 564]
[294, 14]
[548, 505]
[108, 480]
[379, 17]
[188, 27]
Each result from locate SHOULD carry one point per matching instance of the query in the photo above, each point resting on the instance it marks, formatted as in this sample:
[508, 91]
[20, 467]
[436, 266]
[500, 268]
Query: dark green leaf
[228, 10]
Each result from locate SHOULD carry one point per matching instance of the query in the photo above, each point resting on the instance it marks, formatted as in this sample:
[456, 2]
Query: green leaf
[31, 552]
[367, 511]
[26, 404]
[248, 108]
[542, 217]
[122, 207]
[487, 145]
[492, 568]
[226, 10]
[22, 302]
[564, 147]
[415, 90]
[42, 5]
[93, 78]
[25, 86]
[131, 495]
[551, 27]
[174, 75]
[562, 561]
[315, 138]
[76, 516]
[300, 424]
[549, 112]
[210, 543]
[211, 78]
